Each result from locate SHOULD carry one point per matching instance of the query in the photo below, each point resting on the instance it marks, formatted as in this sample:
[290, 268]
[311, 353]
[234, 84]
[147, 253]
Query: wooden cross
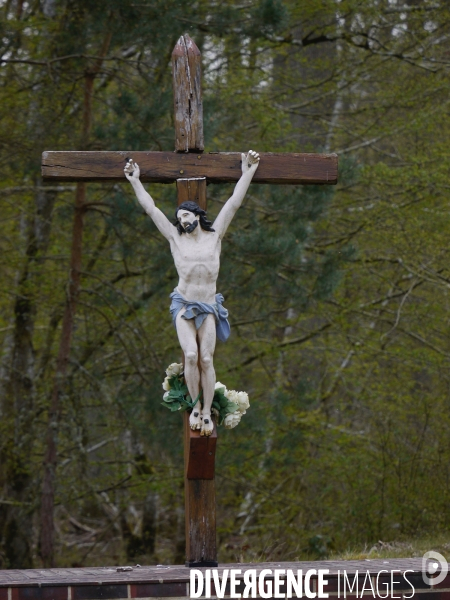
[191, 169]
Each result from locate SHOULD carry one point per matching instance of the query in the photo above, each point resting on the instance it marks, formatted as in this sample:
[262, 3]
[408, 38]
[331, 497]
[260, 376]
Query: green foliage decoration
[177, 398]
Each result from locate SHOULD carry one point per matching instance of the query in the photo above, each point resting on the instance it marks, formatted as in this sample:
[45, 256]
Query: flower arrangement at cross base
[228, 405]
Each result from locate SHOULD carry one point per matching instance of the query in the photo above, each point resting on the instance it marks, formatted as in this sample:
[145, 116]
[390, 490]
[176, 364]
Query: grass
[415, 548]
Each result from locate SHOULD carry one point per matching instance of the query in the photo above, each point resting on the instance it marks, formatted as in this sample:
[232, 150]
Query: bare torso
[197, 261]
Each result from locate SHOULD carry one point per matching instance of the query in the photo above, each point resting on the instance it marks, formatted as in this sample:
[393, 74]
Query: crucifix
[191, 169]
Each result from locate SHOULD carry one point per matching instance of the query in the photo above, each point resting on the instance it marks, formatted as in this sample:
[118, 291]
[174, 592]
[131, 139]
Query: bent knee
[206, 359]
[192, 357]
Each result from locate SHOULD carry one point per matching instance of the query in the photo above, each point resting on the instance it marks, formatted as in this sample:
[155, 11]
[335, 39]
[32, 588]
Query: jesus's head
[186, 218]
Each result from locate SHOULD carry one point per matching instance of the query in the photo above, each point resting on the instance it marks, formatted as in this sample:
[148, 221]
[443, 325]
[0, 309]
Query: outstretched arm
[250, 163]
[132, 173]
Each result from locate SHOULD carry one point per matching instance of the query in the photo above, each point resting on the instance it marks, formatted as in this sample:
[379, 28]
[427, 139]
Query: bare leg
[187, 336]
[207, 339]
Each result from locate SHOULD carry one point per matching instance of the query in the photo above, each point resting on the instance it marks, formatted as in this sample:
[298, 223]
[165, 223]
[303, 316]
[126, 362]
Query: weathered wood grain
[192, 190]
[187, 96]
[167, 167]
[35, 581]
[200, 515]
[199, 498]
[199, 453]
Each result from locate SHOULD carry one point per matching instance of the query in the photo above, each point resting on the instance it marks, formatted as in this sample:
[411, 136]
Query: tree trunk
[16, 469]
[47, 537]
[48, 485]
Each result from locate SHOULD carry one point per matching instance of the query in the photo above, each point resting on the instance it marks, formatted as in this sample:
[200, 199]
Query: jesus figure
[196, 308]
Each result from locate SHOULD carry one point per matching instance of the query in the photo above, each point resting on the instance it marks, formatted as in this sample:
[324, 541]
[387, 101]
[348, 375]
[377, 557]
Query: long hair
[198, 212]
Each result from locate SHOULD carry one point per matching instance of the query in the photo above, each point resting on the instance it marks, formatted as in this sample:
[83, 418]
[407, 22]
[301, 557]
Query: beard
[190, 228]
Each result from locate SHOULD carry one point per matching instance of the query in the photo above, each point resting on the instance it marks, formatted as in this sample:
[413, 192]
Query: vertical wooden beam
[192, 189]
[199, 453]
[200, 504]
[187, 95]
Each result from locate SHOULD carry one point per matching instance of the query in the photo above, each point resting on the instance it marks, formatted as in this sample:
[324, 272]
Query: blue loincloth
[199, 311]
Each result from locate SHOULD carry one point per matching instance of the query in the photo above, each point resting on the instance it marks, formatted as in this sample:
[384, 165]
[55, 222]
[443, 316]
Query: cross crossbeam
[167, 167]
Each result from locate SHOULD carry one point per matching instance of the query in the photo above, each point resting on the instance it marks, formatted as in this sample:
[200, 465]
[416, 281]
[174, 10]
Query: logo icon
[431, 562]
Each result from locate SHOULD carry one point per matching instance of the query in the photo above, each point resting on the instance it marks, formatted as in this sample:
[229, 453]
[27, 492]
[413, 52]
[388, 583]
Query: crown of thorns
[193, 207]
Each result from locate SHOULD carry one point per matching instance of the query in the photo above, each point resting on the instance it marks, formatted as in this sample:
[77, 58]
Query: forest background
[338, 296]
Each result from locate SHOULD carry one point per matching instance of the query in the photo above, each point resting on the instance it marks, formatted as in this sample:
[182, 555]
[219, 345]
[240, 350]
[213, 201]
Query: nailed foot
[195, 419]
[207, 425]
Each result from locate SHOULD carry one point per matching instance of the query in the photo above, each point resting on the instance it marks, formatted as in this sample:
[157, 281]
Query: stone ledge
[109, 583]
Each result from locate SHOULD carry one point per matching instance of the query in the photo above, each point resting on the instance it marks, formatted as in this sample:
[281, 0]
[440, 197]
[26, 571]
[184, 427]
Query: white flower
[166, 384]
[232, 396]
[165, 395]
[232, 420]
[220, 386]
[242, 402]
[174, 369]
